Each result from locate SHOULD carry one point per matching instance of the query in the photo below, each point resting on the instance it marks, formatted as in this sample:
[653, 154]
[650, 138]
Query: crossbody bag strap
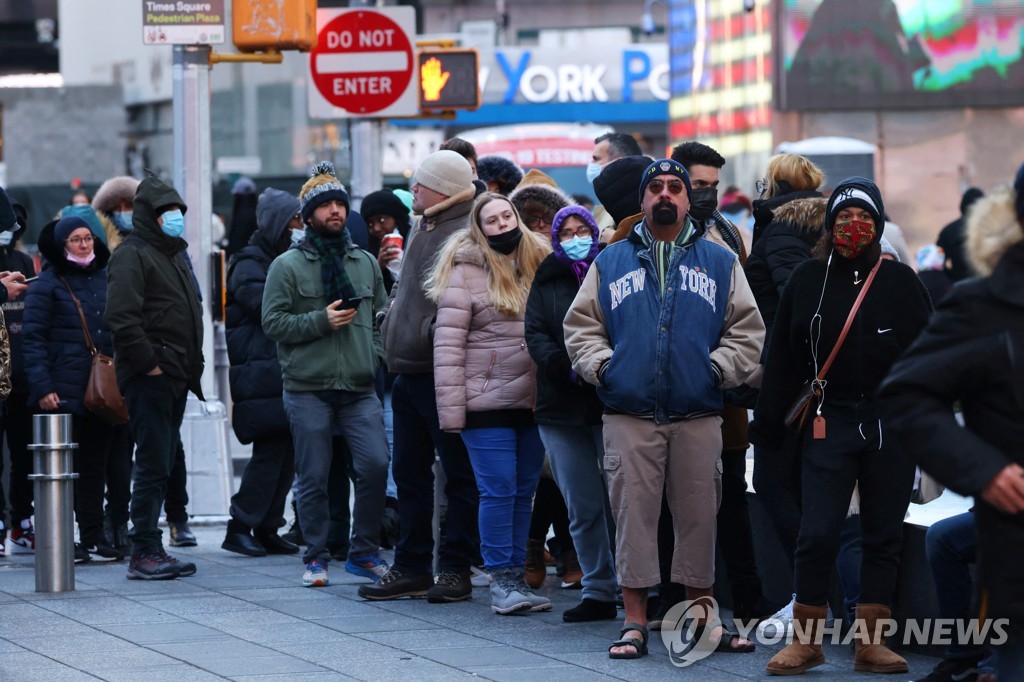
[849, 320]
[81, 315]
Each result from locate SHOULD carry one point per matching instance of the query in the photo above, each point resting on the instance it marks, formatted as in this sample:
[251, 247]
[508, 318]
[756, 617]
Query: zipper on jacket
[490, 368]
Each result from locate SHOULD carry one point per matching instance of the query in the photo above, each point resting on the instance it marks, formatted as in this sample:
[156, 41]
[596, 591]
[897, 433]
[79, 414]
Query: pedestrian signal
[448, 79]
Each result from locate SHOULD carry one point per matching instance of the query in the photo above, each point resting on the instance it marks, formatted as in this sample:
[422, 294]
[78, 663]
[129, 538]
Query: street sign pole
[204, 429]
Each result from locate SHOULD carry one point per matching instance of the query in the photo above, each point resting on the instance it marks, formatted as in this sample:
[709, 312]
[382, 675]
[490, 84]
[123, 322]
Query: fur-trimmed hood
[992, 228]
[807, 215]
[112, 192]
[471, 254]
[465, 195]
[539, 196]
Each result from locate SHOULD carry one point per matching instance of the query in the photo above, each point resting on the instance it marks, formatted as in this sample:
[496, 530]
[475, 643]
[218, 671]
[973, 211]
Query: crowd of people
[590, 371]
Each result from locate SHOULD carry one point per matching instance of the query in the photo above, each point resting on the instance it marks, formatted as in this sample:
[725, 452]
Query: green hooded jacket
[153, 308]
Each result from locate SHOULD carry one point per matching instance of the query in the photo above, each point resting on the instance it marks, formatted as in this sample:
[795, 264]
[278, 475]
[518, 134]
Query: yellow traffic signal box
[272, 25]
[448, 79]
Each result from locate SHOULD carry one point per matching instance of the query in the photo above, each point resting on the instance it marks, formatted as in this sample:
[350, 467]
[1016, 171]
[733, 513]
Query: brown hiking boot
[804, 652]
[536, 571]
[573, 578]
[872, 656]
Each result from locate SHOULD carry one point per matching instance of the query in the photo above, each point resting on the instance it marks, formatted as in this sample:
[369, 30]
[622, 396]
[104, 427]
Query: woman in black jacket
[568, 411]
[972, 352]
[58, 361]
[846, 445]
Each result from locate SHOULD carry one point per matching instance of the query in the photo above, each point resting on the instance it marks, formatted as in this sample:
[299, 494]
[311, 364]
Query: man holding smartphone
[319, 305]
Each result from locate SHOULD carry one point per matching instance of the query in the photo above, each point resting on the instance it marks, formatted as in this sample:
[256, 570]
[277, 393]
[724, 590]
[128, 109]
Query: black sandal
[639, 644]
[725, 640]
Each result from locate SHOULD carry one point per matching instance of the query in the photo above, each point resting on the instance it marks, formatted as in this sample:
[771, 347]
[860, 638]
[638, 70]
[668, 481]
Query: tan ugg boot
[872, 656]
[804, 652]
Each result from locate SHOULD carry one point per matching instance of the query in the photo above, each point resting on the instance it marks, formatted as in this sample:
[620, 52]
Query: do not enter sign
[363, 63]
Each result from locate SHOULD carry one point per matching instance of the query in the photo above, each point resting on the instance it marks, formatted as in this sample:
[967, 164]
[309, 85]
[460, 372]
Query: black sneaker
[101, 551]
[954, 670]
[185, 568]
[450, 586]
[152, 567]
[81, 554]
[181, 534]
[395, 584]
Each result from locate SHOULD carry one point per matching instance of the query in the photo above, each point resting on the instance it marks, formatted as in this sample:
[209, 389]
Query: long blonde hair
[507, 284]
[799, 172]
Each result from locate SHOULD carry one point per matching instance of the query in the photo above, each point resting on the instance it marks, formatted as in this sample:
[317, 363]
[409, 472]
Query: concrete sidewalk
[250, 619]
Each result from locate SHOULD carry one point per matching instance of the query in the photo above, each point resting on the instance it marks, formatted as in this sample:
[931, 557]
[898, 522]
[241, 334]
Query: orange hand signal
[433, 79]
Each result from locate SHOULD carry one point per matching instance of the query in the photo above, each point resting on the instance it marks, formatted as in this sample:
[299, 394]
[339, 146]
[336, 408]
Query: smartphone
[351, 304]
[31, 279]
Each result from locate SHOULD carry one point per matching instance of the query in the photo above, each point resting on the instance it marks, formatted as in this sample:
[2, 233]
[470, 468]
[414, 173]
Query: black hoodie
[12, 260]
[153, 307]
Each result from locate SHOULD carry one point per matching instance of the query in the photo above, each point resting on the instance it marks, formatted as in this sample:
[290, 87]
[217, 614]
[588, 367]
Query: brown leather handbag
[809, 397]
[102, 396]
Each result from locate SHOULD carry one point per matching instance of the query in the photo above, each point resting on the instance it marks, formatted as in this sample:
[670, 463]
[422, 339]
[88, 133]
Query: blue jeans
[952, 546]
[313, 415]
[507, 463]
[417, 434]
[156, 423]
[575, 454]
[848, 565]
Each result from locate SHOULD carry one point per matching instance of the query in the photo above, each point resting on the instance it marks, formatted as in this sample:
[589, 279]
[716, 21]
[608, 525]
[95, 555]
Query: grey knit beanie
[445, 172]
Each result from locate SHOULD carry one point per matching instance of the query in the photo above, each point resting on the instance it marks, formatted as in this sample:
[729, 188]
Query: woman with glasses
[568, 410]
[72, 290]
[485, 382]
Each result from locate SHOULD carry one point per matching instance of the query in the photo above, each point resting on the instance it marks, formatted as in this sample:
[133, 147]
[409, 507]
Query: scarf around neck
[661, 251]
[337, 285]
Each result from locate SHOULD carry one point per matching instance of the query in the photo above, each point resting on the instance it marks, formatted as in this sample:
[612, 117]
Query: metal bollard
[53, 463]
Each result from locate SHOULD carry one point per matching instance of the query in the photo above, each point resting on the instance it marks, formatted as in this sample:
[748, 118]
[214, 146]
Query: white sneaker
[479, 578]
[777, 624]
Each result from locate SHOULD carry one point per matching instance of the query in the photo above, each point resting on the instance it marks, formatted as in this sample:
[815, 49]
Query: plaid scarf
[337, 285]
[662, 252]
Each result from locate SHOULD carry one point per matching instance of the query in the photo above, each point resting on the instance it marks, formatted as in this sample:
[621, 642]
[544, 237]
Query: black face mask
[506, 242]
[703, 203]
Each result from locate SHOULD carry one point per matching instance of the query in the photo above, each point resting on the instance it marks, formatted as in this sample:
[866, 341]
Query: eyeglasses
[379, 220]
[566, 233]
[761, 186]
[87, 239]
[534, 221]
[658, 186]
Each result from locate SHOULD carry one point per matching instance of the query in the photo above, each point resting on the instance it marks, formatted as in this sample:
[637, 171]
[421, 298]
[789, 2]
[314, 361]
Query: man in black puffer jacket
[154, 314]
[258, 415]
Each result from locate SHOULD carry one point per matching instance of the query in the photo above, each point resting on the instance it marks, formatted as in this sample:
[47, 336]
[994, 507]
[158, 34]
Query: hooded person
[113, 206]
[952, 238]
[501, 175]
[319, 305]
[615, 188]
[970, 353]
[538, 199]
[243, 214]
[155, 316]
[16, 423]
[257, 411]
[845, 444]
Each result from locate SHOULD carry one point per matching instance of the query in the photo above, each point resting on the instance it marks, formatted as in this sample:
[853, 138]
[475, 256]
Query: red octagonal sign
[362, 62]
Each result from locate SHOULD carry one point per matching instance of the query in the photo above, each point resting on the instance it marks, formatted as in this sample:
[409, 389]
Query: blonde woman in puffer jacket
[485, 382]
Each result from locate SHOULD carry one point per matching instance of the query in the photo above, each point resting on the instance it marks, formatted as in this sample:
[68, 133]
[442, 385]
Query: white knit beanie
[445, 172]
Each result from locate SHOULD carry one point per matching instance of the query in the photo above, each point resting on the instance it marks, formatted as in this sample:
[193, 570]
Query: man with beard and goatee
[663, 323]
[319, 305]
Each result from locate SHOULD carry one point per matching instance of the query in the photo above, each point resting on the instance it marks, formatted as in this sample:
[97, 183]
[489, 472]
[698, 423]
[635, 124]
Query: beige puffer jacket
[480, 358]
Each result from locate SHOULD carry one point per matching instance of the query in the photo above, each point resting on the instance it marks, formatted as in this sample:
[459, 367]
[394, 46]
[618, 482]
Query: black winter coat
[783, 244]
[561, 399]
[56, 357]
[12, 260]
[255, 374]
[153, 307]
[891, 316]
[972, 352]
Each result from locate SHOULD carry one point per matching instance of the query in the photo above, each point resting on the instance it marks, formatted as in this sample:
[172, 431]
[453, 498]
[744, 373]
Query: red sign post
[363, 63]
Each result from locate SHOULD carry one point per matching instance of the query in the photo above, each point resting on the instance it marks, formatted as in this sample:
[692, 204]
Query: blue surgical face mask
[123, 220]
[298, 236]
[173, 223]
[593, 170]
[578, 247]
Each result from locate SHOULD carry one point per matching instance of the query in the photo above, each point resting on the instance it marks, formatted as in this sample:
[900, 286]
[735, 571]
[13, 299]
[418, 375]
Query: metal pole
[53, 464]
[366, 157]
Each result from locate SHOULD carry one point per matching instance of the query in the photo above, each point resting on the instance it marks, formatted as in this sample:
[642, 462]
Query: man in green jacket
[319, 305]
[154, 315]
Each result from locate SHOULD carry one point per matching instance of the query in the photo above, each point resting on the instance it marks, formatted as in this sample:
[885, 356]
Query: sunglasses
[658, 186]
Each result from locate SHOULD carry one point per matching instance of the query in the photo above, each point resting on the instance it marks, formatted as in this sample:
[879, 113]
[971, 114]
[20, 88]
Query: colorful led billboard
[891, 54]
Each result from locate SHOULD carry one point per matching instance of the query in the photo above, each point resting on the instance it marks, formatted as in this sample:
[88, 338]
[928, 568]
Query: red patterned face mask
[851, 237]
